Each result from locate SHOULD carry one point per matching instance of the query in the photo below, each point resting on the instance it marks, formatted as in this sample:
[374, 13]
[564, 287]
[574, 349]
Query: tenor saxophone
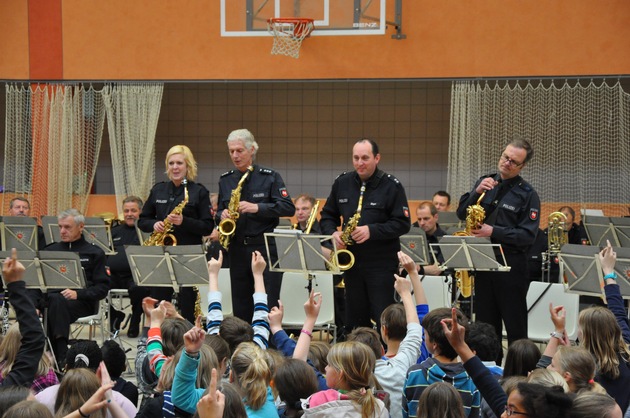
[166, 237]
[227, 226]
[475, 215]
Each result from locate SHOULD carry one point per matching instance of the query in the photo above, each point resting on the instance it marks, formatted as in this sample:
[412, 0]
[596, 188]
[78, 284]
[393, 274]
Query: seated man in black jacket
[66, 306]
[32, 347]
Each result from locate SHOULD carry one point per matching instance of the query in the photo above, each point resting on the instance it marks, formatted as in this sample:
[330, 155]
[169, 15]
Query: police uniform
[512, 209]
[197, 222]
[61, 311]
[370, 282]
[121, 277]
[265, 188]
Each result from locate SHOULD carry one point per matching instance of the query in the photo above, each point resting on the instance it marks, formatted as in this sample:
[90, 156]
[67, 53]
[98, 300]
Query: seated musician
[20, 206]
[304, 205]
[67, 305]
[427, 215]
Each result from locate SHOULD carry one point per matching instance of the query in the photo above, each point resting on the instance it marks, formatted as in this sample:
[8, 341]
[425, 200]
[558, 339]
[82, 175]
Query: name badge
[343, 200]
[258, 195]
[508, 207]
[373, 203]
[161, 201]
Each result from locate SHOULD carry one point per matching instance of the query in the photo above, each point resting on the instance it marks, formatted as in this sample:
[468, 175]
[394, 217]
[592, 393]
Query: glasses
[509, 411]
[511, 161]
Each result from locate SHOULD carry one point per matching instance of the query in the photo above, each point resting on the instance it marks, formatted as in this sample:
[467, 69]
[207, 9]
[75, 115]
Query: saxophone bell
[342, 260]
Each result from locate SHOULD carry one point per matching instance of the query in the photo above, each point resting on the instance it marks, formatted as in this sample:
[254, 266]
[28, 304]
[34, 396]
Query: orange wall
[180, 40]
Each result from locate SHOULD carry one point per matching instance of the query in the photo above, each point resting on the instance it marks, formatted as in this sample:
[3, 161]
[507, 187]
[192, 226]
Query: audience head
[547, 377]
[114, 358]
[442, 201]
[222, 350]
[539, 401]
[71, 224]
[251, 372]
[181, 151]
[10, 346]
[28, 409]
[591, 404]
[235, 331]
[369, 337]
[521, 358]
[350, 367]
[318, 353]
[295, 380]
[577, 367]
[394, 322]
[84, 354]
[435, 340]
[440, 400]
[19, 206]
[483, 340]
[77, 386]
[10, 395]
[600, 334]
[173, 330]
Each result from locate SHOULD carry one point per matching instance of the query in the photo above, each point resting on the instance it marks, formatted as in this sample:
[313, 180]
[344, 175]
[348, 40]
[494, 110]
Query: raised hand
[12, 269]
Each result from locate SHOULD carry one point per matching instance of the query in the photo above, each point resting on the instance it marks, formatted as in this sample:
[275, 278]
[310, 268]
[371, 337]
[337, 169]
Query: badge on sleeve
[284, 192]
[406, 211]
[533, 214]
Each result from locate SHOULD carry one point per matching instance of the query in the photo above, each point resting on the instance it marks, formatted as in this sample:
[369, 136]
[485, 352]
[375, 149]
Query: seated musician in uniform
[67, 305]
[427, 215]
[442, 201]
[20, 206]
[304, 205]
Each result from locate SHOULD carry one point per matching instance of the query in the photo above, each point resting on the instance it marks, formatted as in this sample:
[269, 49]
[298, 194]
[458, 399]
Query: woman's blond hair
[601, 336]
[9, 348]
[77, 386]
[548, 378]
[251, 372]
[581, 365]
[191, 164]
[207, 361]
[356, 361]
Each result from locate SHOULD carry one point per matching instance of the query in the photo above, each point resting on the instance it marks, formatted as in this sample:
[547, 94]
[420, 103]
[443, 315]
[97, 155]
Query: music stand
[622, 229]
[173, 266]
[449, 219]
[470, 253]
[599, 229]
[581, 266]
[99, 233]
[50, 269]
[414, 244]
[19, 232]
[301, 253]
[50, 224]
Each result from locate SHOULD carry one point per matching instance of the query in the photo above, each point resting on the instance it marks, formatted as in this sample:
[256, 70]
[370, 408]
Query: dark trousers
[369, 290]
[502, 298]
[242, 279]
[61, 314]
[136, 294]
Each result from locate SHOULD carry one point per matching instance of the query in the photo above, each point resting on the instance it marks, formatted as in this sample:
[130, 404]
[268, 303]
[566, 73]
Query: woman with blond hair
[45, 375]
[190, 225]
[349, 374]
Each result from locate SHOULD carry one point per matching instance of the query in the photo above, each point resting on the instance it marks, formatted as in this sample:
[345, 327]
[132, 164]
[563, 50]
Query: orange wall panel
[163, 39]
[14, 39]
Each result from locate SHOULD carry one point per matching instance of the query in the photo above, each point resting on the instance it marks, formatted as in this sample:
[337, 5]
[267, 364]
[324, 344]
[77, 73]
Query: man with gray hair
[263, 200]
[66, 306]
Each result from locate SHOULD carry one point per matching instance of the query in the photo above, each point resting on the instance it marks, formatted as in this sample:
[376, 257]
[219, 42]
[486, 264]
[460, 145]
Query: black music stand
[470, 253]
[95, 231]
[581, 266]
[176, 266]
[447, 220]
[414, 244]
[19, 232]
[301, 253]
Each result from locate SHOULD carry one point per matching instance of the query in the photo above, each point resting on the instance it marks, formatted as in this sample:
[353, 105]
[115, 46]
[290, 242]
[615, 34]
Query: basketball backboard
[247, 18]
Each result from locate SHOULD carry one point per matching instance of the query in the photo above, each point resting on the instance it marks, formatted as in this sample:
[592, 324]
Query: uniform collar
[373, 180]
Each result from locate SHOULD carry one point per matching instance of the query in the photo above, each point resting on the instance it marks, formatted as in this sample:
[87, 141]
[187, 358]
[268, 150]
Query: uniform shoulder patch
[265, 170]
[227, 173]
[525, 186]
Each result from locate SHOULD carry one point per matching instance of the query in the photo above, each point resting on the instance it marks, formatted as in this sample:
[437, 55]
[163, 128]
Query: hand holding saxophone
[361, 234]
[175, 219]
[158, 226]
[483, 230]
[338, 241]
[247, 207]
[486, 184]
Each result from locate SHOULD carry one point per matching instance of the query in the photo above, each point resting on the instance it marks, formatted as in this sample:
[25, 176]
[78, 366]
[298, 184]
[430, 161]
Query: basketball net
[288, 34]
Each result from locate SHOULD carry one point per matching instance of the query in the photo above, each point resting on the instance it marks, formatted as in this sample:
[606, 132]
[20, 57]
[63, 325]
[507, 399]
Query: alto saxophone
[166, 237]
[347, 258]
[227, 226]
[475, 215]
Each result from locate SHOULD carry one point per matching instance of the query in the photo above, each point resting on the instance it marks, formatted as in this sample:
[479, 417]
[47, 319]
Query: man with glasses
[512, 210]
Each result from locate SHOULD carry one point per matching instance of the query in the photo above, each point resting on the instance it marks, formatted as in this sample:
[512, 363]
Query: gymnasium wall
[180, 40]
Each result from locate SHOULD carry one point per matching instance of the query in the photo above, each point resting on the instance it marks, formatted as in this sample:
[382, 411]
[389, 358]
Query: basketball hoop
[288, 34]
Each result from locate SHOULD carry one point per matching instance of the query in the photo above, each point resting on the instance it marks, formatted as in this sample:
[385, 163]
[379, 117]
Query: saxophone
[475, 215]
[166, 237]
[347, 258]
[557, 236]
[227, 226]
